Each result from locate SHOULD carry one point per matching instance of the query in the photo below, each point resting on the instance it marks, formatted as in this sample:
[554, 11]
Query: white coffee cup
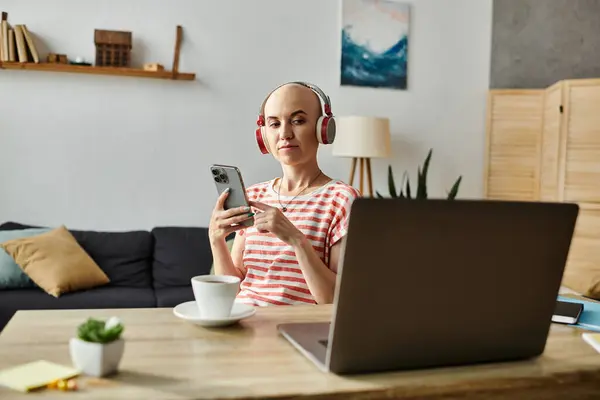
[215, 294]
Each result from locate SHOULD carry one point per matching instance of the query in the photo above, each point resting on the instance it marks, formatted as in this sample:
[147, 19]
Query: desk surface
[167, 358]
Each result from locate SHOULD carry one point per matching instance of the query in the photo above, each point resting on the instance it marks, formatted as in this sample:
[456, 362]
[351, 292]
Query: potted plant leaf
[421, 193]
[98, 348]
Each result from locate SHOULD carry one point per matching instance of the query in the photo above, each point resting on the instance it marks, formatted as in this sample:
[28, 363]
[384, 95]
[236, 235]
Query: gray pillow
[11, 275]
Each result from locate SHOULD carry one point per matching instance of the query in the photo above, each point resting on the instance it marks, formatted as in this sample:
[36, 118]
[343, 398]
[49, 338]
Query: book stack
[16, 43]
[590, 317]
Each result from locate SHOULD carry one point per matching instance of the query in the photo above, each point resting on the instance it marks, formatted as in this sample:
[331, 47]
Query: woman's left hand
[271, 219]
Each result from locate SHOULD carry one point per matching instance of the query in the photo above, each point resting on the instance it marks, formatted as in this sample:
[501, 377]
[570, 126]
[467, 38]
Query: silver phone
[228, 176]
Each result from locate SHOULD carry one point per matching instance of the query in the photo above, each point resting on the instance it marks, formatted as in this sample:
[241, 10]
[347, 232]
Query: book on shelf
[30, 43]
[4, 41]
[21, 45]
[16, 43]
[12, 55]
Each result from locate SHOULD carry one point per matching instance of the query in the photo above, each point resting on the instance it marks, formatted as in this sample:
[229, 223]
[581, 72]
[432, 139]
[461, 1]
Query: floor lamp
[362, 138]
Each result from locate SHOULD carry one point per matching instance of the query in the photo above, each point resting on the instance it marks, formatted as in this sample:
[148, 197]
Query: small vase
[96, 359]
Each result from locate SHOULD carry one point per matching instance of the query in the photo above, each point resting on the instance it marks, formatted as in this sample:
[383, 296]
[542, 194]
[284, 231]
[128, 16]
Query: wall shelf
[114, 71]
[174, 74]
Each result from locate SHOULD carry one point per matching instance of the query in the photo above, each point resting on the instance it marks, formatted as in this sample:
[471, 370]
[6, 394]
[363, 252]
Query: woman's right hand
[221, 221]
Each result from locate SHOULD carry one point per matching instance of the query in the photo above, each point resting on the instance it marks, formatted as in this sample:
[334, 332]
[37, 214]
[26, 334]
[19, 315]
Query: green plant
[96, 331]
[405, 189]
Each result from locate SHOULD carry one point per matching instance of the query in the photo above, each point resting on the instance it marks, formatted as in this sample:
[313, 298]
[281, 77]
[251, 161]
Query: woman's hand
[222, 221]
[271, 219]
[319, 278]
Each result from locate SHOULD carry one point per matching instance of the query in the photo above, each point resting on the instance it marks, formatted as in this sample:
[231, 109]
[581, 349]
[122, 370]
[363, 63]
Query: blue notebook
[590, 317]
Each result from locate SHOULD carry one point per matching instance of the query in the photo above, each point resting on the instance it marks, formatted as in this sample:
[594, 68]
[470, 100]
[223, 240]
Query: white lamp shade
[362, 137]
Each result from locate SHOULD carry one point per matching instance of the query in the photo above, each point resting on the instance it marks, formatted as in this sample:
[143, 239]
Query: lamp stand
[364, 162]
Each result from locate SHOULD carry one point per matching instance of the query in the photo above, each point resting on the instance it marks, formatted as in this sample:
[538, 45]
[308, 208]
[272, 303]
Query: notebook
[35, 375]
[590, 317]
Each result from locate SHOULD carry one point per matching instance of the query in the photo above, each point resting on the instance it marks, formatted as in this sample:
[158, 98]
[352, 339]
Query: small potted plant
[98, 348]
[421, 193]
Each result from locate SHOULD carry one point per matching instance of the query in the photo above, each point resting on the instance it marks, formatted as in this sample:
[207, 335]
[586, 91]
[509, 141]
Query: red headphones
[325, 124]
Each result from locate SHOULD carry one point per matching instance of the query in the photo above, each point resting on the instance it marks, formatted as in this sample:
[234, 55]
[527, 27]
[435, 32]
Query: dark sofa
[146, 269]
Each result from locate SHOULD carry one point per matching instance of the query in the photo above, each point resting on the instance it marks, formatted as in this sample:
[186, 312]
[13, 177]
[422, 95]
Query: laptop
[440, 283]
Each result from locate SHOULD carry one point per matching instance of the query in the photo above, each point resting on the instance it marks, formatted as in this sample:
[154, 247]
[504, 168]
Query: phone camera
[220, 176]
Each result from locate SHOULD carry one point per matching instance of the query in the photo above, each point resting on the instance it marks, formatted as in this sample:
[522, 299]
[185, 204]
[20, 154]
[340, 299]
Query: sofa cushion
[172, 296]
[180, 253]
[125, 257]
[102, 297]
[11, 275]
[55, 262]
[5, 315]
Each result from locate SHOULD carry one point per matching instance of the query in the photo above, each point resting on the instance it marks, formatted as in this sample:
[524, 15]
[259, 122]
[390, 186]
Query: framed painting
[374, 51]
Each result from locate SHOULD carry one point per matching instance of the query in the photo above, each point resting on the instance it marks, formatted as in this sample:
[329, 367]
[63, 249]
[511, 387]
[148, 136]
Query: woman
[290, 255]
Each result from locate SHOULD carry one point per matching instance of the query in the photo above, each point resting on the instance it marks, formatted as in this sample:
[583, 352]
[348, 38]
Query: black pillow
[180, 253]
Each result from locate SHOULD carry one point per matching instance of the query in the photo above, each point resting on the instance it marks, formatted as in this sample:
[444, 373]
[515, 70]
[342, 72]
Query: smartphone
[566, 312]
[228, 176]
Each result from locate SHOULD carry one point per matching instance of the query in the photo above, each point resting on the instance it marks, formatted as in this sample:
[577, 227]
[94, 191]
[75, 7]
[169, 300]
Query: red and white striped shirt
[273, 275]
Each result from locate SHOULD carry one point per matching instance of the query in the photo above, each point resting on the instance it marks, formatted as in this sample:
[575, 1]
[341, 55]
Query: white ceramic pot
[96, 359]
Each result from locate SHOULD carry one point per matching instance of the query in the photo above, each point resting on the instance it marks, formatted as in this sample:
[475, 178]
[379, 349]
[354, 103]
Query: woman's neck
[298, 177]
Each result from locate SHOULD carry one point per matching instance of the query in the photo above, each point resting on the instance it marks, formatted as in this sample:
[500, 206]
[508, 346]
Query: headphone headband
[326, 102]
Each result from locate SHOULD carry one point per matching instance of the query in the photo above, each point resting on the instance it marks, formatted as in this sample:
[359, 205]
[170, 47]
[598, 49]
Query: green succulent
[97, 331]
[405, 189]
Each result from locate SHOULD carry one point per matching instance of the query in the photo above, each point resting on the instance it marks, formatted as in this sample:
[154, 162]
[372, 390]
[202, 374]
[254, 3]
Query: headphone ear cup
[261, 141]
[326, 130]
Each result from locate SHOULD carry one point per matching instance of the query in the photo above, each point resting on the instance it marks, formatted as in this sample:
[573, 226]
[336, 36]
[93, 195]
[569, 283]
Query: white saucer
[188, 311]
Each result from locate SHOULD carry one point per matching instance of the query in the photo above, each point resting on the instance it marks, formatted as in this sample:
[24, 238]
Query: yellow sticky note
[593, 339]
[35, 375]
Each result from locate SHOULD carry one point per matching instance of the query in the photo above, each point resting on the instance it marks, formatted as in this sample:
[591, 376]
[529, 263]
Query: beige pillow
[56, 262]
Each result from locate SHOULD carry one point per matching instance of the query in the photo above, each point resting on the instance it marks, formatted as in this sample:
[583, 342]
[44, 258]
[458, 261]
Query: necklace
[284, 208]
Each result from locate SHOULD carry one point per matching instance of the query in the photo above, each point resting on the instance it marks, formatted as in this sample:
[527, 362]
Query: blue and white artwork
[374, 43]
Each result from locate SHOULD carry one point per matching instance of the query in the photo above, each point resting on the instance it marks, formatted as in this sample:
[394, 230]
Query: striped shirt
[273, 275]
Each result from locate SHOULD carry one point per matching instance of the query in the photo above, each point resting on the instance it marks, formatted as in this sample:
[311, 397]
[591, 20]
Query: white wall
[122, 153]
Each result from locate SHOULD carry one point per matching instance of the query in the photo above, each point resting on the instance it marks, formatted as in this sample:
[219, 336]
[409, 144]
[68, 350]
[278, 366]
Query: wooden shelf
[174, 74]
[114, 71]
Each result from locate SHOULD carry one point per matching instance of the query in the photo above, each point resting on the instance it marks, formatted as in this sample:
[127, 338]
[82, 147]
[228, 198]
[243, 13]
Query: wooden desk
[166, 358]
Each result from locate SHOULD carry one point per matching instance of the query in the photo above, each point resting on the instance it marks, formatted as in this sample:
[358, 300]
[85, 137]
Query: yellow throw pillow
[56, 262]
